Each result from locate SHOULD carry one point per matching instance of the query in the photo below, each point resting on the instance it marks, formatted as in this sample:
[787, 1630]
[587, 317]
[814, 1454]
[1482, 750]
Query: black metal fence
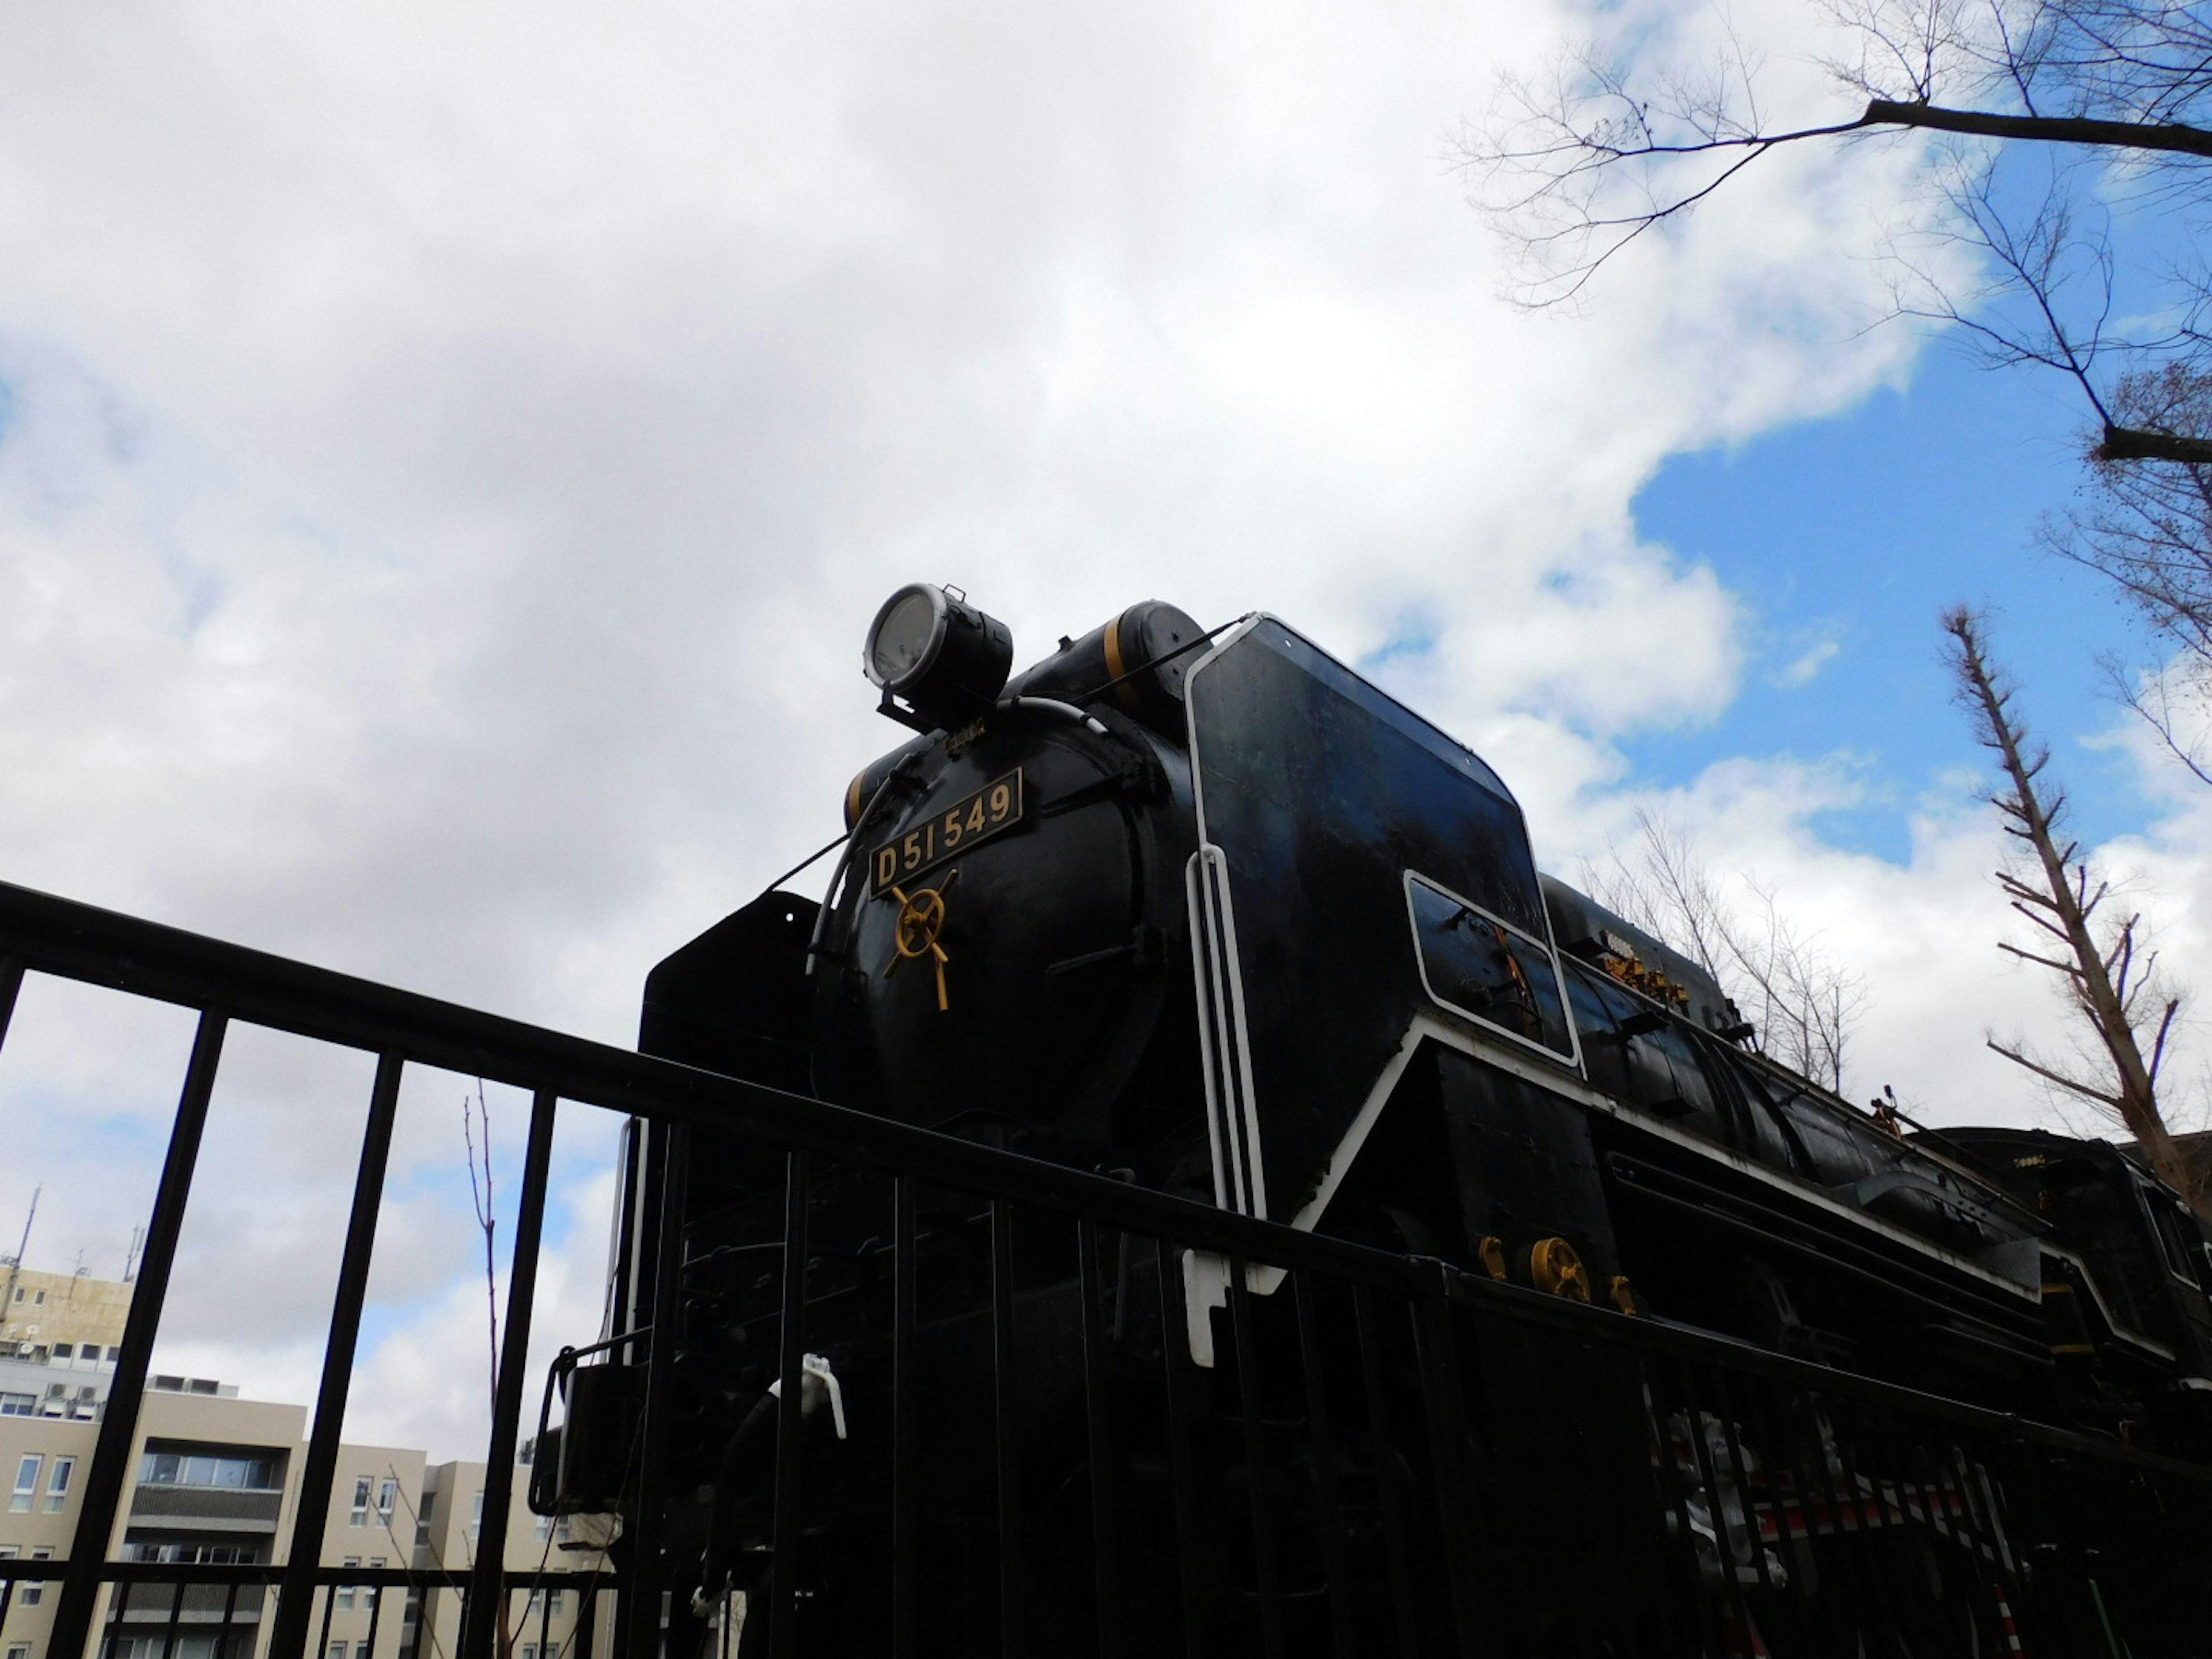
[1383, 1456]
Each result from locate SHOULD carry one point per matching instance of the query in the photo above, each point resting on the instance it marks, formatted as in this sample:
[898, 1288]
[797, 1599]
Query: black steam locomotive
[1209, 911]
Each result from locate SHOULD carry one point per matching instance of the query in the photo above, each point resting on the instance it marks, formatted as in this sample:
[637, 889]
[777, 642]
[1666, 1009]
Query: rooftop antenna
[130, 1255]
[15, 1264]
[27, 1220]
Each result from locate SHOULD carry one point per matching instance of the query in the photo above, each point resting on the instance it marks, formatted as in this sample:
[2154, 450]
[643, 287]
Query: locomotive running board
[1206, 1276]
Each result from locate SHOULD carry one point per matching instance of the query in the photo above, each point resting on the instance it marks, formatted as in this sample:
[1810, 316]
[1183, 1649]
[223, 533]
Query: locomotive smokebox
[939, 660]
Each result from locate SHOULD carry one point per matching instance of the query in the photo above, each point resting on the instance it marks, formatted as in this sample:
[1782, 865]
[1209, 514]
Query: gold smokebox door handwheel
[1554, 1266]
[921, 920]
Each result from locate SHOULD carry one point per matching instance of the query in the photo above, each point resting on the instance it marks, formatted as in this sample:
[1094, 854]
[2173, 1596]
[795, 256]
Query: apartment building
[215, 1481]
[210, 1483]
[60, 1336]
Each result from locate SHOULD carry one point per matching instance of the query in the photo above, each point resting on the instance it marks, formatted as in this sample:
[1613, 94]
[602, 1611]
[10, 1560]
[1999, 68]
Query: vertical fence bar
[1193, 1556]
[1731, 1414]
[1004, 1398]
[587, 1619]
[1708, 1459]
[229, 1616]
[1367, 1326]
[295, 1588]
[119, 1425]
[116, 1611]
[1105, 1560]
[1324, 1454]
[176, 1621]
[790, 1417]
[1255, 1462]
[478, 1634]
[1443, 1413]
[637, 1609]
[905, 1364]
[375, 1613]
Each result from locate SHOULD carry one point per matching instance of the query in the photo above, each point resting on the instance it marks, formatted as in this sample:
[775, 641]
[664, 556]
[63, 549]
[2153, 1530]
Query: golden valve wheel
[1554, 1266]
[915, 934]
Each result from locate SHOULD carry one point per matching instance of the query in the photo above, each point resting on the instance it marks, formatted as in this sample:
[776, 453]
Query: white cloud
[1804, 668]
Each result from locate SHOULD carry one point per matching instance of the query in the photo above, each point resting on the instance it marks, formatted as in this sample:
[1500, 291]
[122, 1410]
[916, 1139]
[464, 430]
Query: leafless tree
[2111, 980]
[476, 1120]
[2111, 101]
[2065, 146]
[2149, 530]
[1798, 999]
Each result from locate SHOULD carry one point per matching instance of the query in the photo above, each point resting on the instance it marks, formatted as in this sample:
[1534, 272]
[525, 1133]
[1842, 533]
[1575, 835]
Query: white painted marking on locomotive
[1205, 982]
[1246, 1096]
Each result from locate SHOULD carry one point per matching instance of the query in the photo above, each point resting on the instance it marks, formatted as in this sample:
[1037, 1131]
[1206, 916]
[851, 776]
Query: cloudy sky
[448, 454]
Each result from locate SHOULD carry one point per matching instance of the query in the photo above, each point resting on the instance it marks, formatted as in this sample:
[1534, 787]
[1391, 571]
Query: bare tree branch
[2104, 979]
[2112, 98]
[1800, 1002]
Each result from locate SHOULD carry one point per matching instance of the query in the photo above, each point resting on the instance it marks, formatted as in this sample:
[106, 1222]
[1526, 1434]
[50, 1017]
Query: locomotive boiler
[1209, 911]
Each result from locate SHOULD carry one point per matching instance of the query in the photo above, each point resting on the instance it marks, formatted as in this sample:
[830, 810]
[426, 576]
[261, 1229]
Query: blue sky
[1855, 532]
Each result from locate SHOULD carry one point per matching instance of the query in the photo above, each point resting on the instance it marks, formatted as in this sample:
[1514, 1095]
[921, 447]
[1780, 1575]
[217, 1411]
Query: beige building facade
[42, 1310]
[215, 1481]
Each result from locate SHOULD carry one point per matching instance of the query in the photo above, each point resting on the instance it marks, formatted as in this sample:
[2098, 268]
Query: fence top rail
[82, 942]
[268, 1575]
[72, 940]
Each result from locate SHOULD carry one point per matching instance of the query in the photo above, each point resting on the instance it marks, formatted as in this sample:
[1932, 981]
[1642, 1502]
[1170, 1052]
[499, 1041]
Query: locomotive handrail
[43, 933]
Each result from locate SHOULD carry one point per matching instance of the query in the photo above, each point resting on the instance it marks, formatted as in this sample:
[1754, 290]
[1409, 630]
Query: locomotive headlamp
[932, 651]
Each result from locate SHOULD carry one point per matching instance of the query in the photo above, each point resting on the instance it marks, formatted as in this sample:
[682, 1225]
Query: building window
[476, 1515]
[34, 1592]
[338, 1650]
[553, 1603]
[544, 1528]
[18, 1405]
[359, 1516]
[38, 1300]
[64, 1351]
[27, 1483]
[218, 1555]
[159, 1468]
[58, 1484]
[345, 1591]
[387, 1494]
[19, 1650]
[369, 1596]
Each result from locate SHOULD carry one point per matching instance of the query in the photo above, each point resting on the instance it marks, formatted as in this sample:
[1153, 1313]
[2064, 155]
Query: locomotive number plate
[944, 835]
